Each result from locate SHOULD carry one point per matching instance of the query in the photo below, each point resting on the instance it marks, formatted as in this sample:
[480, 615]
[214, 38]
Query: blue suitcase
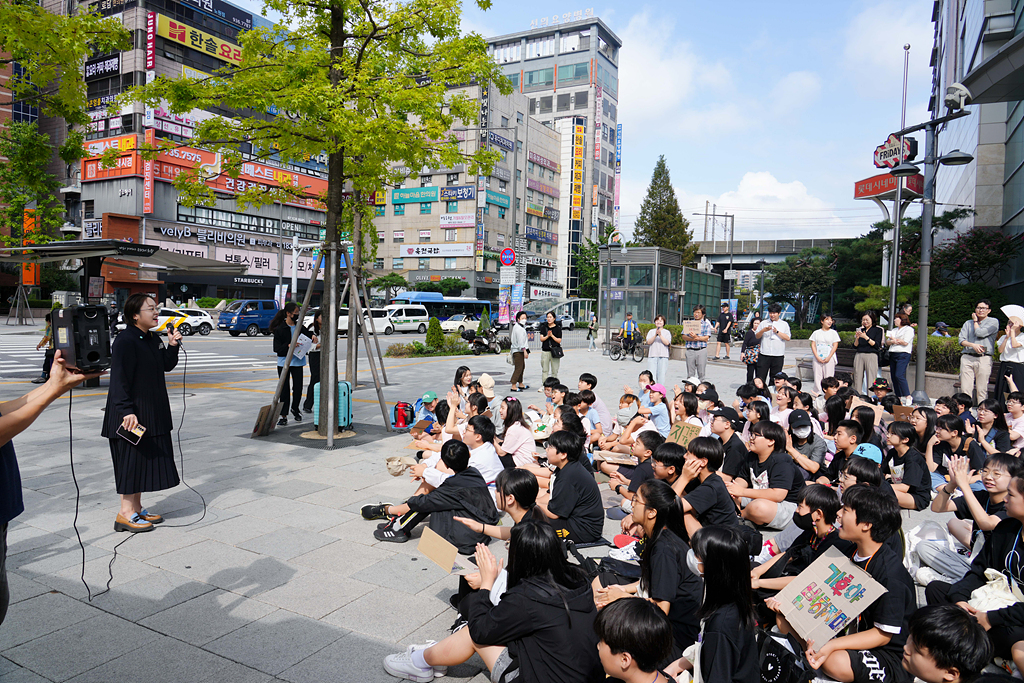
[344, 405]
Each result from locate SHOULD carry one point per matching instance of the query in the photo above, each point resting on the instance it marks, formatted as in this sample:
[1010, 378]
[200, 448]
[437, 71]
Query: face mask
[801, 432]
[691, 562]
[624, 415]
[803, 522]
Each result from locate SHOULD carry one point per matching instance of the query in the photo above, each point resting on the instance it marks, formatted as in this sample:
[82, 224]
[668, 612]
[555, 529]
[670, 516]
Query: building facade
[567, 67]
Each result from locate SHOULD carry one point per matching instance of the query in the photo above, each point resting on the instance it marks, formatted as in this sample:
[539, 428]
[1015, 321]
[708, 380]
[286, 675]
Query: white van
[381, 321]
[408, 317]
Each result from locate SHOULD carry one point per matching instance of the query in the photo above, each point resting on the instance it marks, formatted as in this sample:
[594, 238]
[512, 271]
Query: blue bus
[443, 307]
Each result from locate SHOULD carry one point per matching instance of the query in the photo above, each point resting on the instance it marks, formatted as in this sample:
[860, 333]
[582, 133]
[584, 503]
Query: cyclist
[629, 332]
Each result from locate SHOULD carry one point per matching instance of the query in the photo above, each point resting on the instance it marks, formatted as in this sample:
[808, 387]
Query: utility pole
[707, 205]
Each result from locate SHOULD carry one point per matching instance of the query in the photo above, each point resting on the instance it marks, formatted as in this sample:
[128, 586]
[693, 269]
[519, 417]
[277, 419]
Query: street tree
[363, 81]
[799, 278]
[392, 284]
[453, 286]
[24, 181]
[661, 223]
[976, 256]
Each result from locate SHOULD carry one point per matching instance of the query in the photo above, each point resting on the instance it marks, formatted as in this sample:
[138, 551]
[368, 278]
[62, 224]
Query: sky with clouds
[771, 110]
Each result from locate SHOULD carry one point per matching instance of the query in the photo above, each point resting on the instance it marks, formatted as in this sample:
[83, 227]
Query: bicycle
[617, 350]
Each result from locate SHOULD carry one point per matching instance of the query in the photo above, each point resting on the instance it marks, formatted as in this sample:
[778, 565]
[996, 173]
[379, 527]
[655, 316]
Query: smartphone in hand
[133, 436]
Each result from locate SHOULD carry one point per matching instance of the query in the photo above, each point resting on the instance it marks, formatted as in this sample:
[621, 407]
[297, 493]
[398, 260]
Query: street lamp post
[760, 296]
[614, 237]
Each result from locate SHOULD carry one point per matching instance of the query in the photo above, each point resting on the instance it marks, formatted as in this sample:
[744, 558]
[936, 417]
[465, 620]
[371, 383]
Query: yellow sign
[380, 198]
[577, 214]
[579, 130]
[577, 200]
[183, 34]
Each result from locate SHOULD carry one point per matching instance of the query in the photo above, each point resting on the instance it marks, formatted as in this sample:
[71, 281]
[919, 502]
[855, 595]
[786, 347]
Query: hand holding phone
[133, 435]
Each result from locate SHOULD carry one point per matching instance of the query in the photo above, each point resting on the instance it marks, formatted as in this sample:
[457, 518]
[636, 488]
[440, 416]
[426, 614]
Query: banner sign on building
[150, 41]
[551, 213]
[544, 161]
[534, 209]
[618, 173]
[480, 238]
[257, 262]
[416, 194]
[579, 144]
[223, 11]
[457, 193]
[107, 8]
[458, 249]
[501, 173]
[457, 220]
[598, 126]
[126, 165]
[101, 67]
[183, 34]
[542, 187]
[92, 230]
[544, 292]
[147, 176]
[504, 299]
[499, 141]
[502, 200]
[546, 236]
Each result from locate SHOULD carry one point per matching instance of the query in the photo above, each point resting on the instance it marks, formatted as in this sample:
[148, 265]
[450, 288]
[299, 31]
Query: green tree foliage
[485, 324]
[976, 256]
[428, 287]
[857, 262]
[800, 277]
[661, 223]
[453, 286]
[876, 298]
[392, 283]
[953, 304]
[23, 180]
[49, 49]
[56, 279]
[435, 336]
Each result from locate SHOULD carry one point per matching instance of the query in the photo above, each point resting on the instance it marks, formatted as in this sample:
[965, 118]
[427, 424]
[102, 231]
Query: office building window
[380, 237]
[453, 179]
[378, 211]
[549, 249]
[546, 104]
[399, 209]
[502, 186]
[501, 212]
[424, 264]
[551, 175]
[426, 180]
[517, 228]
[504, 122]
[88, 208]
[540, 47]
[519, 117]
[449, 263]
[530, 166]
[501, 239]
[397, 263]
[564, 101]
[533, 106]
[581, 100]
[424, 235]
[451, 235]
[519, 145]
[487, 209]
[517, 203]
[425, 207]
[519, 174]
[452, 207]
[529, 220]
[378, 264]
[398, 236]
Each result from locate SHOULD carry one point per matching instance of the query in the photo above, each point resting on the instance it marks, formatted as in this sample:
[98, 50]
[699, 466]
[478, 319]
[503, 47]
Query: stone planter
[677, 352]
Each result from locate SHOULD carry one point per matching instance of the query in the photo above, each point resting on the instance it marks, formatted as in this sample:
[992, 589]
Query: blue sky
[769, 109]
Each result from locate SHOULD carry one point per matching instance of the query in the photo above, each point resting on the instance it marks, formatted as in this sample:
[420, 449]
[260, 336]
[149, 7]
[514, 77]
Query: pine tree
[661, 223]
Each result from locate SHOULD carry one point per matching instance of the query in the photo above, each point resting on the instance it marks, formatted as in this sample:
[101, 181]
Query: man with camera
[773, 333]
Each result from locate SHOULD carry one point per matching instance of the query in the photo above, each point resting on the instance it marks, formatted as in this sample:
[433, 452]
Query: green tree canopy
[392, 283]
[453, 286]
[661, 223]
[799, 278]
[24, 180]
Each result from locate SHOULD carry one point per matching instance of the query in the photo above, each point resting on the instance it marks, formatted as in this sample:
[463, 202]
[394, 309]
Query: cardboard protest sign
[683, 432]
[902, 413]
[858, 402]
[827, 597]
[441, 552]
[615, 458]
[691, 327]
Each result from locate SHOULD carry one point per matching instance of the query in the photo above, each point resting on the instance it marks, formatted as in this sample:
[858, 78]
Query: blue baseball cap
[869, 451]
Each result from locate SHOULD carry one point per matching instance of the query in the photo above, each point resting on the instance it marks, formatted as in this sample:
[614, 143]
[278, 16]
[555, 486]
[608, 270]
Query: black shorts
[878, 666]
[724, 337]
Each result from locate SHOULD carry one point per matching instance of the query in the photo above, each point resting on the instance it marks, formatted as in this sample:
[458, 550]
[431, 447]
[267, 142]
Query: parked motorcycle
[488, 342]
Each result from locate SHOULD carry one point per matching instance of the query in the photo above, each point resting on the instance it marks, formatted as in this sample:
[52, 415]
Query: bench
[844, 363]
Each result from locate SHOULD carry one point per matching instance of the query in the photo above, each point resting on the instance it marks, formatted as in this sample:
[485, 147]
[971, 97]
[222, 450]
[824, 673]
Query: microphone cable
[181, 453]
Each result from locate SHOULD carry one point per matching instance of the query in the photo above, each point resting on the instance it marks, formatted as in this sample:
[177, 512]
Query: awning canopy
[1000, 78]
[147, 255]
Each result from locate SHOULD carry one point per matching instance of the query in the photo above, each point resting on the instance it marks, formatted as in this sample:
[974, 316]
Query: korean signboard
[502, 200]
[564, 18]
[546, 236]
[412, 250]
[126, 164]
[501, 173]
[543, 188]
[92, 230]
[108, 8]
[205, 235]
[884, 186]
[223, 11]
[183, 34]
[544, 292]
[101, 67]
[579, 133]
[457, 193]
[618, 172]
[498, 141]
[551, 214]
[416, 194]
[544, 161]
[150, 40]
[198, 250]
[258, 263]
[534, 209]
[598, 126]
[147, 176]
[457, 220]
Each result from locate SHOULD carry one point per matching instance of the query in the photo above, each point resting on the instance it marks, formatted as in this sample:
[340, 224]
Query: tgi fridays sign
[887, 154]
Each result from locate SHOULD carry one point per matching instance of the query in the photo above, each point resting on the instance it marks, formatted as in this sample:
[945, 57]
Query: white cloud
[873, 53]
[794, 93]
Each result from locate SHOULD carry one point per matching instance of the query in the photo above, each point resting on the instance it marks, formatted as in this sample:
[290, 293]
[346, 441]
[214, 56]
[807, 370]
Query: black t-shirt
[776, 472]
[893, 608]
[942, 452]
[833, 469]
[963, 512]
[726, 647]
[912, 470]
[735, 463]
[673, 582]
[577, 500]
[807, 547]
[712, 503]
[556, 330]
[723, 320]
[641, 473]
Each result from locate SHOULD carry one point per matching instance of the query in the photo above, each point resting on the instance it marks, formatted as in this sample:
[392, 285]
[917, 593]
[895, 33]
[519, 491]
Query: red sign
[151, 40]
[508, 257]
[147, 176]
[887, 154]
[126, 165]
[884, 187]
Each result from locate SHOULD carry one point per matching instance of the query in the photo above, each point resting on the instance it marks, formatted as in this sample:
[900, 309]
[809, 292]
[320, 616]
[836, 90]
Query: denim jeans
[898, 363]
[658, 367]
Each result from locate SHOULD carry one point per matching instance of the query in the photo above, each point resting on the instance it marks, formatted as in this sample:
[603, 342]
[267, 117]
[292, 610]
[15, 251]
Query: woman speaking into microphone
[138, 398]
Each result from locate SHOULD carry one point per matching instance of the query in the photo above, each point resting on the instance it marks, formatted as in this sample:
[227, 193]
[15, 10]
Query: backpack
[778, 664]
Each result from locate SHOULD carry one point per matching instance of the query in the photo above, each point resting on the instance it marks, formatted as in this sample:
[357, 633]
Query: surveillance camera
[957, 97]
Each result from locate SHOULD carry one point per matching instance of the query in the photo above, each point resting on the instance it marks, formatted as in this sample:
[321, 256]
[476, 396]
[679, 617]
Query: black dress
[137, 366]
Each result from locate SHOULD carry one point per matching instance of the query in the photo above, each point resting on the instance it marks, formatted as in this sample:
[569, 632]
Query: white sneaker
[439, 671]
[926, 575]
[626, 553]
[400, 666]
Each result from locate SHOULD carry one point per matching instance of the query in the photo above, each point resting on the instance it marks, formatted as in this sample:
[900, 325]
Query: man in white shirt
[479, 436]
[773, 333]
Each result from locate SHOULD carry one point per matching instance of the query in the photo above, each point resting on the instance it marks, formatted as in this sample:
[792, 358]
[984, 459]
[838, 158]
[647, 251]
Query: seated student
[485, 385]
[873, 648]
[625, 484]
[575, 401]
[665, 576]
[463, 493]
[803, 401]
[964, 403]
[434, 436]
[945, 405]
[635, 636]
[805, 447]
[684, 407]
[456, 422]
[847, 438]
[829, 387]
[782, 406]
[1002, 553]
[517, 443]
[906, 469]
[1015, 420]
[628, 405]
[946, 645]
[549, 384]
[575, 509]
[724, 423]
[427, 404]
[880, 389]
[645, 380]
[770, 488]
[991, 431]
[541, 630]
[727, 623]
[845, 379]
[950, 440]
[871, 430]
[815, 516]
[707, 403]
[758, 411]
[668, 462]
[635, 424]
[589, 410]
[708, 503]
[558, 394]
[478, 434]
[658, 412]
[588, 382]
[976, 514]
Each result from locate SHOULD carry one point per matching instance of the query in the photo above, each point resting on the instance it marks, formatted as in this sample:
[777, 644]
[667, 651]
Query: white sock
[419, 660]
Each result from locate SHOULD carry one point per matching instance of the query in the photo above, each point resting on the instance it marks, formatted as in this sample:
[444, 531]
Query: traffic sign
[887, 154]
[508, 275]
[730, 274]
[508, 257]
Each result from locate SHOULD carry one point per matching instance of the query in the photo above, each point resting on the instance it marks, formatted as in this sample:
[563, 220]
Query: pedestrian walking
[520, 350]
[137, 397]
[659, 340]
[1011, 358]
[773, 333]
[977, 337]
[314, 364]
[282, 327]
[824, 343]
[867, 344]
[751, 349]
[551, 346]
[725, 325]
[697, 345]
[47, 341]
[592, 333]
[900, 341]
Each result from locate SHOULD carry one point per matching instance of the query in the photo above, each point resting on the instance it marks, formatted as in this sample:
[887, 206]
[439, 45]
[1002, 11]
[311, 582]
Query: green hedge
[210, 301]
[943, 352]
[450, 345]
